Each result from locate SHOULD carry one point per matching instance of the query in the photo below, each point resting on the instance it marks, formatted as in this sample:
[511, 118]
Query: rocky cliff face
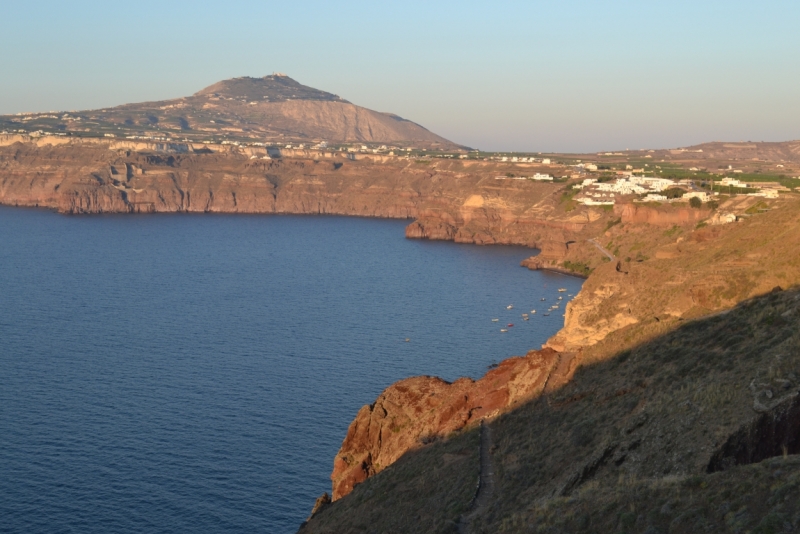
[423, 409]
[450, 200]
[632, 213]
[665, 271]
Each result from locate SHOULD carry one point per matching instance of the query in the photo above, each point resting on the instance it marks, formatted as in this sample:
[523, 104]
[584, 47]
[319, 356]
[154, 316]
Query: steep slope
[273, 109]
[658, 438]
[632, 334]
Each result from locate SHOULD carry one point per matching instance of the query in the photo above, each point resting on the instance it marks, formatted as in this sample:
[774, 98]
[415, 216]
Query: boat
[503, 330]
[533, 311]
[562, 290]
[524, 314]
[509, 307]
[495, 320]
[560, 298]
[543, 299]
[525, 318]
[546, 314]
[510, 325]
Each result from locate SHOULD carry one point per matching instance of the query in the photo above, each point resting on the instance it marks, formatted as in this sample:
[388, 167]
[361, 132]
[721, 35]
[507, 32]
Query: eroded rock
[418, 410]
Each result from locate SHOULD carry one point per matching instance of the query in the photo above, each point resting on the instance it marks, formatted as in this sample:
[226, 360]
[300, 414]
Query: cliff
[421, 410]
[448, 199]
[652, 272]
[695, 430]
[665, 271]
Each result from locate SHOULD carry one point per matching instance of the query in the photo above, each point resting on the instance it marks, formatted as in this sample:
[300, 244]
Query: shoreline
[555, 270]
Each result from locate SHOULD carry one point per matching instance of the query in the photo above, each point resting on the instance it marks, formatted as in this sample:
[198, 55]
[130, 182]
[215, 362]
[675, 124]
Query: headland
[677, 366]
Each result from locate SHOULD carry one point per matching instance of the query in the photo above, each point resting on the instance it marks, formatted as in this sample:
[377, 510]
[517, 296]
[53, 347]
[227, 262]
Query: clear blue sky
[565, 75]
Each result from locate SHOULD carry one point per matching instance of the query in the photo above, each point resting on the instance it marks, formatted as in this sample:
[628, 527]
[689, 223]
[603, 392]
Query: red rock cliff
[450, 200]
[421, 409]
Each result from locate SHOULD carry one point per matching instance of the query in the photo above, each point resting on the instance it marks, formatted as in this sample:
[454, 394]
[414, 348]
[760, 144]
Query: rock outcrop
[423, 409]
[658, 278]
[633, 214]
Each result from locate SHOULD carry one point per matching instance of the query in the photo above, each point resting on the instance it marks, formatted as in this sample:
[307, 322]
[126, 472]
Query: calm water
[198, 373]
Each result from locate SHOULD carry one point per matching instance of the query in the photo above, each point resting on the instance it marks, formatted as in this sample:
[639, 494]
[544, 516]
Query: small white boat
[533, 311]
[495, 320]
[562, 290]
[524, 314]
[543, 299]
[503, 330]
[560, 298]
[525, 318]
[509, 307]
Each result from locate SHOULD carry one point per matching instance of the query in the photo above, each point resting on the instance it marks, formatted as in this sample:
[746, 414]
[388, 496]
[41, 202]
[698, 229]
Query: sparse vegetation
[613, 223]
[673, 192]
[627, 444]
[430, 487]
[567, 198]
[757, 208]
[578, 268]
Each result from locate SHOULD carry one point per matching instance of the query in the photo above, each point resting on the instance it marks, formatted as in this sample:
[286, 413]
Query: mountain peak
[277, 87]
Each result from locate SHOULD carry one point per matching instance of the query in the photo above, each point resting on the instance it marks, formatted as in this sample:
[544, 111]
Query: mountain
[275, 88]
[273, 109]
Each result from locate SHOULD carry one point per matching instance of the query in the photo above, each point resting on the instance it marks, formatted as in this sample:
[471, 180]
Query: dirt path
[601, 249]
[485, 484]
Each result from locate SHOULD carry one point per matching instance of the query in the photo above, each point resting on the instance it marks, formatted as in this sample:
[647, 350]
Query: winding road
[601, 249]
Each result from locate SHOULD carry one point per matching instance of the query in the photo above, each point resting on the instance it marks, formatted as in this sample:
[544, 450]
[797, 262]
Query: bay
[198, 372]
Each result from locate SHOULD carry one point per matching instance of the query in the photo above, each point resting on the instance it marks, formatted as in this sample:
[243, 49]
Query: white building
[702, 195]
[732, 182]
[766, 193]
[595, 202]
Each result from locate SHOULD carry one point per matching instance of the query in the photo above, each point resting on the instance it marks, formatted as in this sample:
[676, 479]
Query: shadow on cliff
[708, 397]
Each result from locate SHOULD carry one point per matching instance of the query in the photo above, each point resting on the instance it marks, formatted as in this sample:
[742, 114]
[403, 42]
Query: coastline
[446, 200]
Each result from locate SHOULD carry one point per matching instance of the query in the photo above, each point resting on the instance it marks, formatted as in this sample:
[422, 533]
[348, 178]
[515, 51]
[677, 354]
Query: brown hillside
[659, 438]
[274, 109]
[641, 395]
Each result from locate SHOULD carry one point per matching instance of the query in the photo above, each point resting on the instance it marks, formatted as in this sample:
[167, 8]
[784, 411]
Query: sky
[543, 76]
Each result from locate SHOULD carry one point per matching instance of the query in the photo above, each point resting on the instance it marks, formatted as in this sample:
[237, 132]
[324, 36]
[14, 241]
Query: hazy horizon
[533, 76]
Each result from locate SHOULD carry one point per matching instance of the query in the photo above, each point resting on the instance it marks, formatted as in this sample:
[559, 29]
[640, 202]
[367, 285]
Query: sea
[197, 373]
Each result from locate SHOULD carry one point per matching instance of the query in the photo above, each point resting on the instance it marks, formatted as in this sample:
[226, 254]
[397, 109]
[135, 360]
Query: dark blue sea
[197, 373]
